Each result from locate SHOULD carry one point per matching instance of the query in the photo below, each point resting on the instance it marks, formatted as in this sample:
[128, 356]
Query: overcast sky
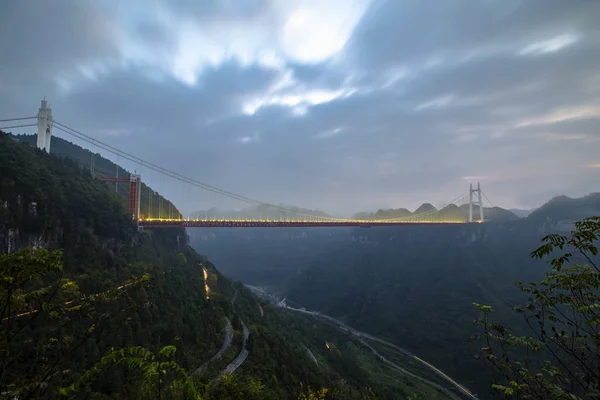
[341, 105]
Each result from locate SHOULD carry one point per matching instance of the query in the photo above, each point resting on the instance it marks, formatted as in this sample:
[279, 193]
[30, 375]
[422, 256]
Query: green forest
[94, 308]
[152, 204]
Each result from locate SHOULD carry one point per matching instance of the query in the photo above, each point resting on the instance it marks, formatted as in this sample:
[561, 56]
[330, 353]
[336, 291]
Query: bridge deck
[282, 224]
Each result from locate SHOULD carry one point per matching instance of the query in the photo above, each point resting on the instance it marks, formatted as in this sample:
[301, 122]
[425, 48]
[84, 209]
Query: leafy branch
[561, 358]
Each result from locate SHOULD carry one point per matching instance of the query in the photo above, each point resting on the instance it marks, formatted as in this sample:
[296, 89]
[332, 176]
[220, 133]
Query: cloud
[563, 114]
[395, 32]
[329, 133]
[265, 33]
[338, 105]
[551, 45]
[436, 103]
[248, 139]
[562, 136]
[296, 100]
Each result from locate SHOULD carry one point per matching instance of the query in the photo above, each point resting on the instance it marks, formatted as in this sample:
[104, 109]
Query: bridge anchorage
[461, 210]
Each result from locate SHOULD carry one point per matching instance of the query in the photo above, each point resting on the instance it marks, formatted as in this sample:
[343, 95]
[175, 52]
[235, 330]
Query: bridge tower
[44, 126]
[477, 202]
[135, 191]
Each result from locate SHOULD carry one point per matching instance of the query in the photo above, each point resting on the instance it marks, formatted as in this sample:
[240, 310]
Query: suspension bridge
[467, 208]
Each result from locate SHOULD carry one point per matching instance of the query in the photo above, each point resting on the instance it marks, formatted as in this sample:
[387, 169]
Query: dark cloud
[40, 41]
[223, 10]
[152, 33]
[319, 76]
[52, 34]
[126, 96]
[410, 31]
[39, 35]
[505, 73]
[172, 126]
[466, 104]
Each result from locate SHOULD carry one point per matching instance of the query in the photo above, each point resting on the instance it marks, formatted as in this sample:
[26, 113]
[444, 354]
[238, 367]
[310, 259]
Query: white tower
[44, 127]
[477, 202]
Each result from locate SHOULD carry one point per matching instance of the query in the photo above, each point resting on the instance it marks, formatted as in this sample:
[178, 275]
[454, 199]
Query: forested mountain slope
[54, 203]
[415, 286]
[411, 285]
[566, 209]
[157, 207]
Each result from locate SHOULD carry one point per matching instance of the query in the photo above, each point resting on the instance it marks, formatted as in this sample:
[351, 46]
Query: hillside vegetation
[146, 289]
[413, 286]
[152, 203]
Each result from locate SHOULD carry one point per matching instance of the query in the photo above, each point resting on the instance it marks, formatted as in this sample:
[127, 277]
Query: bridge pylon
[135, 192]
[477, 202]
[44, 124]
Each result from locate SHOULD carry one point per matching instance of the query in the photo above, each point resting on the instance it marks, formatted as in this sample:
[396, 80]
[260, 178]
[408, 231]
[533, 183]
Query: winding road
[311, 355]
[224, 347]
[361, 335]
[404, 371]
[243, 354]
[241, 357]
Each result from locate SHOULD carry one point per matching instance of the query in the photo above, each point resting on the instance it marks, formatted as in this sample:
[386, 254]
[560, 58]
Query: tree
[44, 321]
[181, 260]
[230, 387]
[159, 376]
[33, 291]
[561, 359]
[312, 395]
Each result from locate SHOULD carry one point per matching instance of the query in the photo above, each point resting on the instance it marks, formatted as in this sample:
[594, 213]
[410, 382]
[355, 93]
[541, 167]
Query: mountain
[521, 213]
[152, 203]
[491, 213]
[449, 212]
[261, 212]
[411, 285]
[425, 208]
[52, 202]
[383, 214]
[566, 209]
